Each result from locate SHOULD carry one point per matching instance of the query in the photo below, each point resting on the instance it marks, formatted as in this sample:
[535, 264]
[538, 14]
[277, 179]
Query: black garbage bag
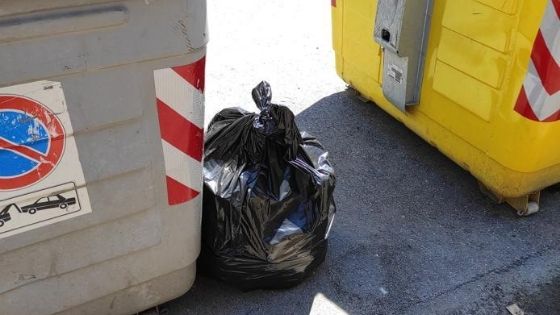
[268, 198]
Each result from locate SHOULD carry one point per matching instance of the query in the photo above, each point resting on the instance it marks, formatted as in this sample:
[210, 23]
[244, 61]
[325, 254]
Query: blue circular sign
[17, 130]
[32, 141]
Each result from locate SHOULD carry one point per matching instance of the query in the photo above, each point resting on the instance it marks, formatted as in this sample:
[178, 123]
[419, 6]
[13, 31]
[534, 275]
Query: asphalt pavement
[413, 233]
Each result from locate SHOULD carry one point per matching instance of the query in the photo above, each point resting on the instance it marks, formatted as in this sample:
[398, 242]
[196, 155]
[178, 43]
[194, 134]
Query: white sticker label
[41, 177]
[396, 73]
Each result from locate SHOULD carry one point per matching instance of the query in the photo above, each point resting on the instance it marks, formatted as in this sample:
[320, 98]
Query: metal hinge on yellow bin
[401, 28]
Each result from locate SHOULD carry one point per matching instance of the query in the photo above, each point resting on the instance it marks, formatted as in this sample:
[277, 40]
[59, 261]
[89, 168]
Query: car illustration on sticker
[50, 202]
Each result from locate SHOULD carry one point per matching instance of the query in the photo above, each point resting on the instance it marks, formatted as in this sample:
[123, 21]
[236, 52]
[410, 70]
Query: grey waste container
[101, 132]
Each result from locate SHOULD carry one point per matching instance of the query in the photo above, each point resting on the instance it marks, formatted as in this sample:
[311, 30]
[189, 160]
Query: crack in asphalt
[496, 271]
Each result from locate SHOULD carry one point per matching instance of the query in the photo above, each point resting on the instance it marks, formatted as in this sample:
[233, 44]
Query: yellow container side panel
[479, 22]
[337, 32]
[476, 63]
[358, 24]
[506, 6]
[533, 145]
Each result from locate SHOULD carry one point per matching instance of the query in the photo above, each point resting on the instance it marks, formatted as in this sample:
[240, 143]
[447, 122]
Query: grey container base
[142, 296]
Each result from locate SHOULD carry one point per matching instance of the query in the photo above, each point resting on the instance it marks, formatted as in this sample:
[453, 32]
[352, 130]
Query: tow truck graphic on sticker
[5, 214]
[57, 201]
[44, 203]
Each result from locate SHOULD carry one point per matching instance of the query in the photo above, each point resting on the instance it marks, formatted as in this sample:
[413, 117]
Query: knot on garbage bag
[249, 132]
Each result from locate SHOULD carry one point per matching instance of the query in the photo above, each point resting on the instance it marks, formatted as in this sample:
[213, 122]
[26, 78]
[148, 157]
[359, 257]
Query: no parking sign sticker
[41, 177]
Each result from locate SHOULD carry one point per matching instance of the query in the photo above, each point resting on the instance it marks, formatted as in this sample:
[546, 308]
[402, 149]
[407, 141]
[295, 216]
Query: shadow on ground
[413, 234]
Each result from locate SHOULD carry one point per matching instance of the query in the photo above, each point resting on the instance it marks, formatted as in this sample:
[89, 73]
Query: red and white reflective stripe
[539, 98]
[180, 106]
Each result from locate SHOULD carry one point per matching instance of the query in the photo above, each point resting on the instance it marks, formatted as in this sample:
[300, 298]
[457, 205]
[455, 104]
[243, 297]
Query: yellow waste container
[478, 79]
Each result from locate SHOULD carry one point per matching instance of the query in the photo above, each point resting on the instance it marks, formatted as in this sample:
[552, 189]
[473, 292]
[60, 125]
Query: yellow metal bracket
[524, 205]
